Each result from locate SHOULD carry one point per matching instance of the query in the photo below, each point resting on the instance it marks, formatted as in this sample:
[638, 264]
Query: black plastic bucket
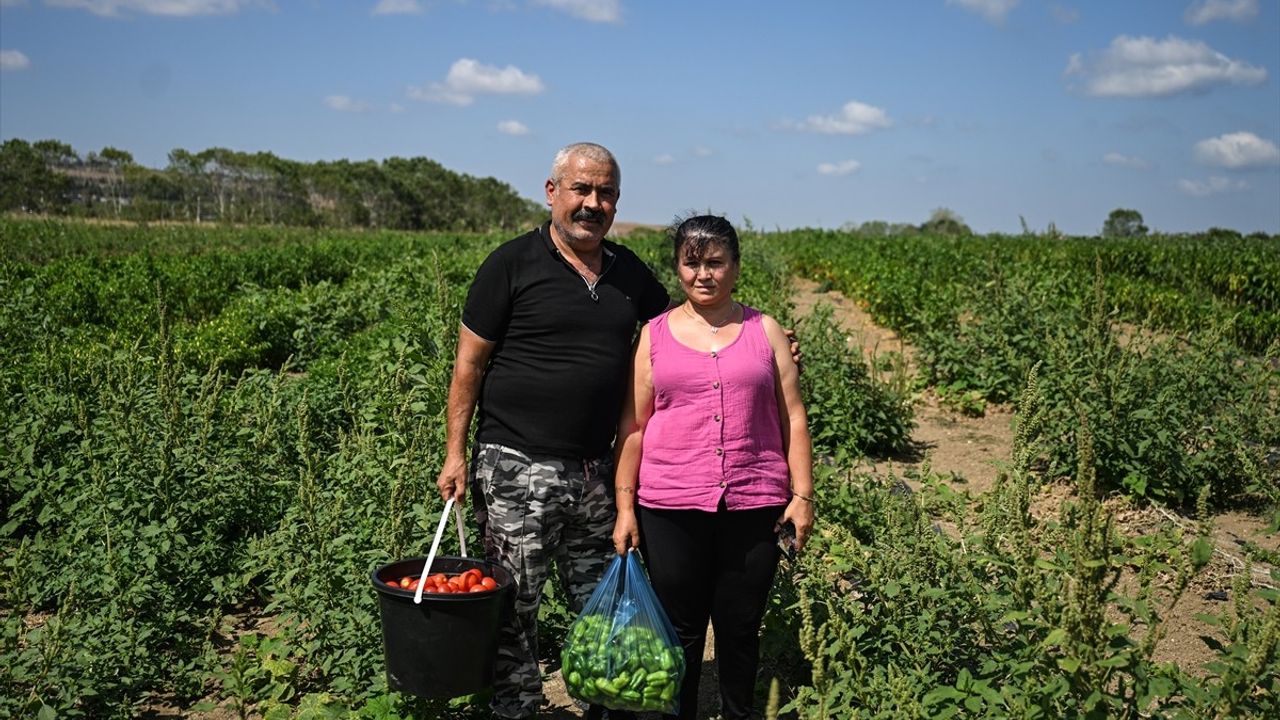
[446, 646]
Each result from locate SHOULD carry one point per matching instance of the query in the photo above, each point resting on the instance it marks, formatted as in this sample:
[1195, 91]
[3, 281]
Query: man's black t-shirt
[556, 379]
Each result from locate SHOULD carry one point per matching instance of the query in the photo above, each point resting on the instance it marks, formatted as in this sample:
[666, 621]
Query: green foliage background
[203, 425]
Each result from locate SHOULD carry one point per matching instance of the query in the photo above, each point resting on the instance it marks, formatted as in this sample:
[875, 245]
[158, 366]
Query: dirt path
[966, 451]
[964, 448]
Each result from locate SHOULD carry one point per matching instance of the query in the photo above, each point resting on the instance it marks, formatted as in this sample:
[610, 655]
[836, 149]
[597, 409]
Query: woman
[714, 459]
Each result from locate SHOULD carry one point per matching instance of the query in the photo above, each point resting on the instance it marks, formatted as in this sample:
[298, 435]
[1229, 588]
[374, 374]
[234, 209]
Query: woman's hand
[800, 512]
[626, 532]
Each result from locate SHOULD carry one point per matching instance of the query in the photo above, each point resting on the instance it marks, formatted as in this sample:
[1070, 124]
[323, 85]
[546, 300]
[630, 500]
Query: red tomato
[405, 581]
[474, 571]
[488, 583]
[478, 588]
[437, 578]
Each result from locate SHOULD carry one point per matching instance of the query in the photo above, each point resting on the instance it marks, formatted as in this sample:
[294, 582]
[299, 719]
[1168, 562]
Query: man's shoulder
[519, 244]
[519, 255]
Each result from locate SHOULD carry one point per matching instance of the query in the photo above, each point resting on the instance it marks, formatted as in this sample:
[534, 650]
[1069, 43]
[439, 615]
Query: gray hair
[591, 151]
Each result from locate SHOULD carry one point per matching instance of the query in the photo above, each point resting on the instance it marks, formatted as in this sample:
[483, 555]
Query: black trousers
[717, 566]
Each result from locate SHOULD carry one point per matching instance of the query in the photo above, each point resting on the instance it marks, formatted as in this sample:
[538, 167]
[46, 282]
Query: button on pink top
[715, 430]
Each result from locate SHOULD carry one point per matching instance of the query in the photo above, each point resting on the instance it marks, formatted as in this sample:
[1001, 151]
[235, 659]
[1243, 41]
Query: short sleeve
[654, 298]
[488, 308]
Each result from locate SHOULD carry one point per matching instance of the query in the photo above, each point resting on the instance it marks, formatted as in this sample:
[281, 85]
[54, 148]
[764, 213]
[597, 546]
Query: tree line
[227, 186]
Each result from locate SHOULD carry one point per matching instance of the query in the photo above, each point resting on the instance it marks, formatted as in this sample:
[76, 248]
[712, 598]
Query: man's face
[583, 203]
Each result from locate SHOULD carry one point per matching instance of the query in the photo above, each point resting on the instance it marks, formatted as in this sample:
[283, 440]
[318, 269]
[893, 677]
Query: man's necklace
[713, 327]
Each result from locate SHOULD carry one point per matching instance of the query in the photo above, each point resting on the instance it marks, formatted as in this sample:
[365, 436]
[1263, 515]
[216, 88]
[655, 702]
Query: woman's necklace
[713, 327]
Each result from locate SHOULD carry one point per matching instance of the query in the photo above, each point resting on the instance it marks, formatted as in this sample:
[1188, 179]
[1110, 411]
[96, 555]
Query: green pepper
[606, 687]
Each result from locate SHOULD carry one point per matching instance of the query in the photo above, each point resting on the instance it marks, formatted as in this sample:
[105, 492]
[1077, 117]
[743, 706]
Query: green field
[208, 429]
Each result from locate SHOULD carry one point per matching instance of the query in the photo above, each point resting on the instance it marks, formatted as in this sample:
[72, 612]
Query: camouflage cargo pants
[532, 511]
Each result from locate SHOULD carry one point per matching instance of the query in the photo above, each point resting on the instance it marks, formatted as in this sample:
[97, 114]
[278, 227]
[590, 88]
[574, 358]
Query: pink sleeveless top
[715, 431]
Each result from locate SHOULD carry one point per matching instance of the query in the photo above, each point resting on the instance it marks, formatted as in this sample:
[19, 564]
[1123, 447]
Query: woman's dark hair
[693, 236]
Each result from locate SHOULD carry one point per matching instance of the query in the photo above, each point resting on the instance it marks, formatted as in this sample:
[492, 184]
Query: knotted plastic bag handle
[435, 545]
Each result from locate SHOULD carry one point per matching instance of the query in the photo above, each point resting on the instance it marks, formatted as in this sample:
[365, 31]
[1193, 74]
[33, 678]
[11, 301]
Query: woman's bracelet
[802, 497]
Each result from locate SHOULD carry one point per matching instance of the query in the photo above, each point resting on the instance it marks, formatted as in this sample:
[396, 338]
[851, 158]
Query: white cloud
[1206, 11]
[854, 118]
[396, 107]
[468, 78]
[1237, 150]
[397, 7]
[1063, 14]
[607, 11]
[169, 8]
[1128, 161]
[1212, 186]
[14, 60]
[701, 151]
[513, 127]
[664, 159]
[844, 167]
[345, 104]
[993, 11]
[1146, 67]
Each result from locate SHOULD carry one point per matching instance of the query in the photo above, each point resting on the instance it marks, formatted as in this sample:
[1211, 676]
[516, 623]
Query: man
[544, 351]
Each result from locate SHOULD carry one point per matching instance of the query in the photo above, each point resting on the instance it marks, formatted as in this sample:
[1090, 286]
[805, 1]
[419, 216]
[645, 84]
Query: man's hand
[453, 480]
[796, 355]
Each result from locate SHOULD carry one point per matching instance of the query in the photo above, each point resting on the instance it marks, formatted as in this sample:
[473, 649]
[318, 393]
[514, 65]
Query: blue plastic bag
[622, 651]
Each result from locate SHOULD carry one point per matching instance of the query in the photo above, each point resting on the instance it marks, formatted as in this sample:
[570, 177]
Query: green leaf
[1056, 637]
[1201, 552]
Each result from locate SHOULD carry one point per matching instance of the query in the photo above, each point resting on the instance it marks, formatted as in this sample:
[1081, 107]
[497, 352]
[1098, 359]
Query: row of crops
[212, 434]
[1168, 345]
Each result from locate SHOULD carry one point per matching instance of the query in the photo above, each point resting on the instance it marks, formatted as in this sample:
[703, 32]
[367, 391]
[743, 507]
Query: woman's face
[709, 279]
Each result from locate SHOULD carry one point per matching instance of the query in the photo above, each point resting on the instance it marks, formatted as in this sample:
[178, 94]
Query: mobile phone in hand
[787, 539]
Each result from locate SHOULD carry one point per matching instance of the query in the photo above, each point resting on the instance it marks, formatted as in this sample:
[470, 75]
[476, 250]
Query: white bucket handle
[435, 544]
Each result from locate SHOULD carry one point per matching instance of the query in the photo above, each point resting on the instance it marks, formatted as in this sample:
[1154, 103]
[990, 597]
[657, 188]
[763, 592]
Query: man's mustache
[589, 215]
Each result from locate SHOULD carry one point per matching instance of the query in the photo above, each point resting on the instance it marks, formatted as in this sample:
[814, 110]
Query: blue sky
[784, 114]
